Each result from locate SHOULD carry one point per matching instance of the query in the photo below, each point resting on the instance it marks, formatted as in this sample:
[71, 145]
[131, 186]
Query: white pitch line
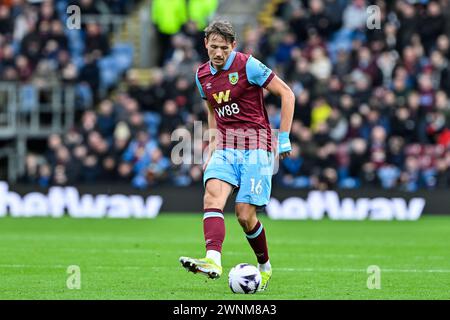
[362, 270]
[150, 251]
[327, 270]
[58, 266]
[349, 256]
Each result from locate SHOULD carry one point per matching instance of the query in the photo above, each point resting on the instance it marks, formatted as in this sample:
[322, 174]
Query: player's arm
[279, 88]
[260, 75]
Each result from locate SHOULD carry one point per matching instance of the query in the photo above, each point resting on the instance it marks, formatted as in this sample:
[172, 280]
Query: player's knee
[245, 216]
[244, 221]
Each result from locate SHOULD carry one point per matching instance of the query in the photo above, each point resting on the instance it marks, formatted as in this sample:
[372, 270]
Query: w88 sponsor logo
[227, 110]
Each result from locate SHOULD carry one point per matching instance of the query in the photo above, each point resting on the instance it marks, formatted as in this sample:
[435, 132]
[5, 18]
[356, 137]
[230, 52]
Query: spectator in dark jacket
[171, 118]
[96, 40]
[90, 72]
[431, 25]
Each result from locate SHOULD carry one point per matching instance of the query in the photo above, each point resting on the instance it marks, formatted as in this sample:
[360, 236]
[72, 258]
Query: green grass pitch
[138, 259]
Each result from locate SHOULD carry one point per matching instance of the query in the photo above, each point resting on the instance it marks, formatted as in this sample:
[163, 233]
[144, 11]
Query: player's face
[218, 50]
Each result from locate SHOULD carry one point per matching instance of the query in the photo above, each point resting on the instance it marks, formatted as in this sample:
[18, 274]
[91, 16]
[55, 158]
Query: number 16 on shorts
[256, 188]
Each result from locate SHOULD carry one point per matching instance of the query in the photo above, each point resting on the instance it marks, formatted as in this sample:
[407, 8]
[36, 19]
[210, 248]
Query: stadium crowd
[36, 47]
[372, 103]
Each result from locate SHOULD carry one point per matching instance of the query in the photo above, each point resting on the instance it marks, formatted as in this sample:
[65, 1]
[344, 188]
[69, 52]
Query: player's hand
[284, 145]
[285, 155]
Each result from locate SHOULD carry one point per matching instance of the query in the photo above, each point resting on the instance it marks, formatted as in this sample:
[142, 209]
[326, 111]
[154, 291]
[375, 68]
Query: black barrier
[190, 199]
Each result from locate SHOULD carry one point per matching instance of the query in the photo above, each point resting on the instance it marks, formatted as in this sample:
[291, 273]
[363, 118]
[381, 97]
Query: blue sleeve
[199, 86]
[257, 72]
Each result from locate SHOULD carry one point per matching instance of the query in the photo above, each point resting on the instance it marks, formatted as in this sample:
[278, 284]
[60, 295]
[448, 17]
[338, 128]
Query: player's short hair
[222, 28]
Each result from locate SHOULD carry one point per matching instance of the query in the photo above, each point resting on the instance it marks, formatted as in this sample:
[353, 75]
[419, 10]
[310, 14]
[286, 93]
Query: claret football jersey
[236, 95]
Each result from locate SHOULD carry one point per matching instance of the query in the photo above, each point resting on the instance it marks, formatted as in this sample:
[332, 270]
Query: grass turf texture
[138, 259]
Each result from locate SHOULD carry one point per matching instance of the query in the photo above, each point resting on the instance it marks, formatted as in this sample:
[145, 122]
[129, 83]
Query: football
[244, 278]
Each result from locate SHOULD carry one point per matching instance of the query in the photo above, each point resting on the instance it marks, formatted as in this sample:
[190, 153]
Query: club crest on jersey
[233, 77]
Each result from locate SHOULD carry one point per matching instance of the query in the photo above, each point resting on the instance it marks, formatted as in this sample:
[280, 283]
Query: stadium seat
[123, 56]
[109, 72]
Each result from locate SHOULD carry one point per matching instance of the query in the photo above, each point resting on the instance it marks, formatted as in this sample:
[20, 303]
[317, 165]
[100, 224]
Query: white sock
[265, 266]
[215, 256]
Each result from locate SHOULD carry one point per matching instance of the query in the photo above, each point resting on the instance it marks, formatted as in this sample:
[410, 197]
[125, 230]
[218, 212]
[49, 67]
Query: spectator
[23, 68]
[410, 177]
[318, 18]
[431, 25]
[106, 119]
[320, 65]
[57, 35]
[6, 21]
[359, 156]
[31, 169]
[157, 170]
[292, 170]
[88, 6]
[171, 118]
[409, 23]
[88, 123]
[45, 177]
[89, 73]
[372, 106]
[96, 40]
[200, 11]
[354, 16]
[168, 18]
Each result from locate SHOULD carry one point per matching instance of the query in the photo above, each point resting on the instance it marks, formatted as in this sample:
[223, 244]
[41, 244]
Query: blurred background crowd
[372, 101]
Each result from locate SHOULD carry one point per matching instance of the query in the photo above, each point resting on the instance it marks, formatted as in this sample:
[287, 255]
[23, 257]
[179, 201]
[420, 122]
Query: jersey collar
[227, 64]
